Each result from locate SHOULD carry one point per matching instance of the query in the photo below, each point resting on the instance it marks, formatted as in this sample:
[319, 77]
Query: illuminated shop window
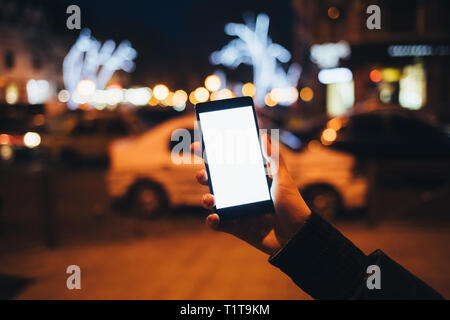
[340, 97]
[12, 94]
[386, 92]
[412, 93]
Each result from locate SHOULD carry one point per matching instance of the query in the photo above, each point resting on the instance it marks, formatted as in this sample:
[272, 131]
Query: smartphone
[234, 158]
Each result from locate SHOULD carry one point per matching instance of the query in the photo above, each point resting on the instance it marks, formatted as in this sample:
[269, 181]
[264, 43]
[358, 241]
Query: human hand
[269, 232]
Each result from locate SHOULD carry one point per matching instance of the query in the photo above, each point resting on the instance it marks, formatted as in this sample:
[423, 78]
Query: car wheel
[149, 201]
[323, 200]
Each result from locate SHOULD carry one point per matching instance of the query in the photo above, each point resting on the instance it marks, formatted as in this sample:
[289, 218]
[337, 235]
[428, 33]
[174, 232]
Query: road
[181, 259]
[51, 222]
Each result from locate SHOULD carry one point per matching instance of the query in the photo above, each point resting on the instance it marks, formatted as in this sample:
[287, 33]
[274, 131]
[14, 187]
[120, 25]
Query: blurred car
[85, 139]
[143, 179]
[20, 141]
[387, 133]
[403, 153]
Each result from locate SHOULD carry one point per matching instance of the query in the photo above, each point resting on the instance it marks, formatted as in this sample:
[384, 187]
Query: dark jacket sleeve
[326, 265]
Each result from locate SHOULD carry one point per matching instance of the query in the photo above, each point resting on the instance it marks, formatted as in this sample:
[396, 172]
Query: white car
[144, 179]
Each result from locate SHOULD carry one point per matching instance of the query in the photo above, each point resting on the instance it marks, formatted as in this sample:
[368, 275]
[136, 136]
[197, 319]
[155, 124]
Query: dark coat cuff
[321, 261]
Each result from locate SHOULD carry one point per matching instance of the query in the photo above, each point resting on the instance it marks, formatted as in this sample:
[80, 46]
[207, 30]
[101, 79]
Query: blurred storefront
[30, 55]
[404, 64]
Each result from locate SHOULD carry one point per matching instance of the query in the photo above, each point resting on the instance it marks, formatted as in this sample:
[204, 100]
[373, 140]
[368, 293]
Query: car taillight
[11, 139]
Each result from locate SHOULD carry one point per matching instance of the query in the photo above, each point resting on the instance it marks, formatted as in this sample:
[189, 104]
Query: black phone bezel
[254, 208]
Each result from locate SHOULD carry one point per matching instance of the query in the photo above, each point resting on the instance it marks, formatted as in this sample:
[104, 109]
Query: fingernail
[213, 223]
[209, 200]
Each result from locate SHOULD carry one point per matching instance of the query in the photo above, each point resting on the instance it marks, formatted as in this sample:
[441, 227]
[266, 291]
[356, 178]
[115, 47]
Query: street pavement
[52, 221]
[179, 258]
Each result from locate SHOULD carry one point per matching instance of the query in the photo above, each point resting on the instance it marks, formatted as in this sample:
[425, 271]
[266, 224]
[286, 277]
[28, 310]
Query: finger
[202, 177]
[208, 201]
[214, 222]
[196, 149]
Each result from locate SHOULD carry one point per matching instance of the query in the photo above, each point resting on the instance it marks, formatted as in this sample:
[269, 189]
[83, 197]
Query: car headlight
[32, 139]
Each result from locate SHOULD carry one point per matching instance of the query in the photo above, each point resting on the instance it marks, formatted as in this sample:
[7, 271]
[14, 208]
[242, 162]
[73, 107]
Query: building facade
[402, 63]
[30, 55]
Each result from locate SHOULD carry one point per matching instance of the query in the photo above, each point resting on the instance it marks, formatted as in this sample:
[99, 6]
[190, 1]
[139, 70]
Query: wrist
[293, 227]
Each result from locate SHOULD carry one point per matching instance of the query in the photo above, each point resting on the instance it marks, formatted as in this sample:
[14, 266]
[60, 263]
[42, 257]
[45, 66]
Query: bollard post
[373, 195]
[47, 210]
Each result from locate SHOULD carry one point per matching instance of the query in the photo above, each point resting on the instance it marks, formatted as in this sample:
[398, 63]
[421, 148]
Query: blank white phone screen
[234, 157]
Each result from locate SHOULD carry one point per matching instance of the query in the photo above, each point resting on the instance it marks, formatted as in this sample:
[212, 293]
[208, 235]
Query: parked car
[405, 155]
[20, 141]
[85, 139]
[21, 128]
[143, 179]
[388, 133]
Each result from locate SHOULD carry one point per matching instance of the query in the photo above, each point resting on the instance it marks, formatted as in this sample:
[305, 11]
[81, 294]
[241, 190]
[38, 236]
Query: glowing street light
[375, 75]
[248, 89]
[179, 98]
[63, 96]
[333, 13]
[201, 94]
[306, 94]
[32, 139]
[222, 94]
[213, 83]
[153, 101]
[269, 101]
[334, 124]
[38, 91]
[160, 92]
[168, 101]
[138, 96]
[328, 136]
[284, 96]
[86, 88]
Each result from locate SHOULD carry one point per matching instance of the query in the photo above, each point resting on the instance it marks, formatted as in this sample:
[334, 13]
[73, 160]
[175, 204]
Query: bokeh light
[375, 75]
[222, 94]
[160, 92]
[179, 98]
[31, 139]
[138, 96]
[334, 124]
[192, 98]
[86, 88]
[6, 152]
[168, 101]
[328, 136]
[248, 89]
[63, 96]
[201, 94]
[269, 101]
[306, 94]
[12, 94]
[333, 13]
[213, 83]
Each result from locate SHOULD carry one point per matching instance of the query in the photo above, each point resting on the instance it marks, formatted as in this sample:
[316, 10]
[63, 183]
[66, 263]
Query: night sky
[173, 38]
